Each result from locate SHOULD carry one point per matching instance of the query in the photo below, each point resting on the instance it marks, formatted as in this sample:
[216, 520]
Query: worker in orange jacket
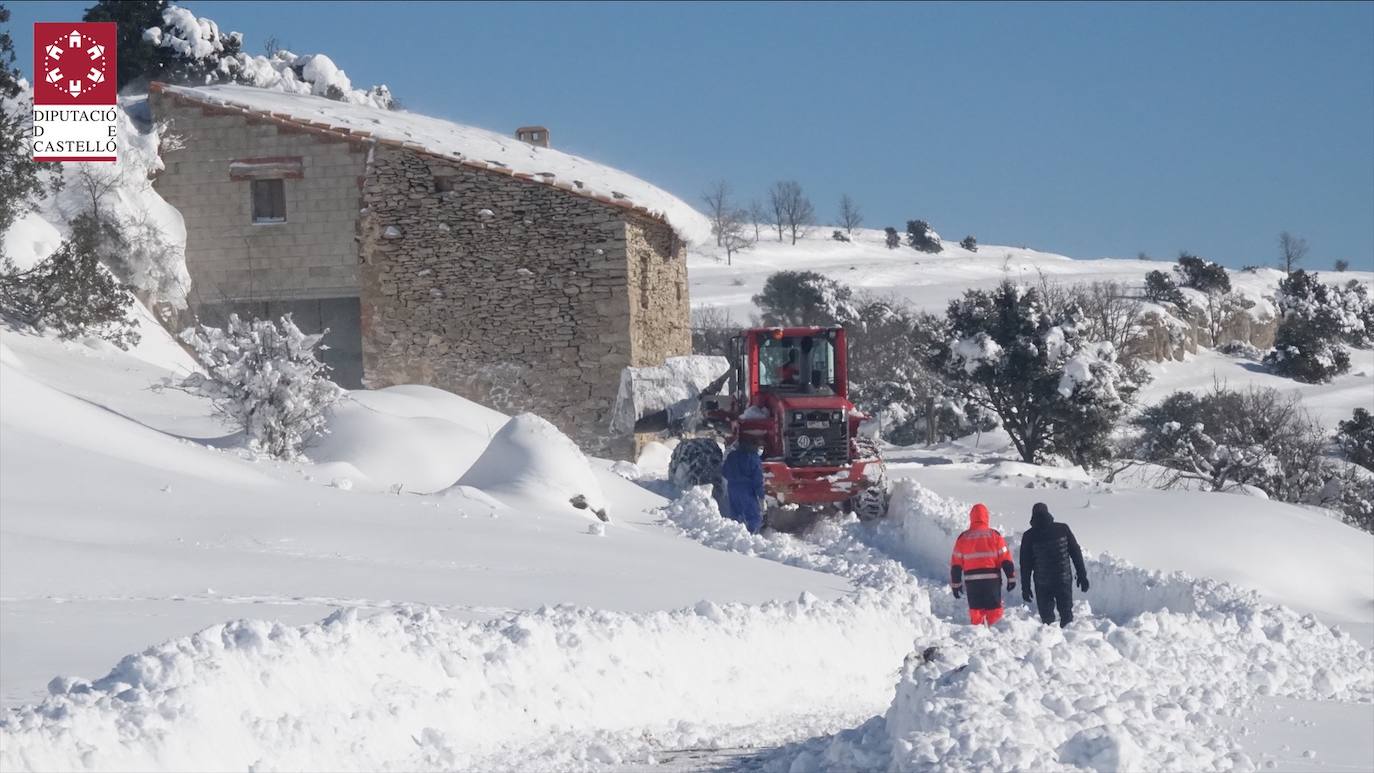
[980, 557]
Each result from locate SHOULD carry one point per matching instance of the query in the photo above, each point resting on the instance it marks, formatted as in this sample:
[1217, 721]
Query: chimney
[534, 135]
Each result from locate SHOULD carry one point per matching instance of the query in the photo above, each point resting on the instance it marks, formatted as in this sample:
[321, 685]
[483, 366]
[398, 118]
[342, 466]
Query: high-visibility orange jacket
[980, 553]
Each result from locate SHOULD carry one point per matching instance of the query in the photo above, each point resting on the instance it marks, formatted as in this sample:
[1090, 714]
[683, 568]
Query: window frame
[253, 186]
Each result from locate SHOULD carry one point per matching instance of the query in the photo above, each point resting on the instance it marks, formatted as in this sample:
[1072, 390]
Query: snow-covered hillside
[930, 281]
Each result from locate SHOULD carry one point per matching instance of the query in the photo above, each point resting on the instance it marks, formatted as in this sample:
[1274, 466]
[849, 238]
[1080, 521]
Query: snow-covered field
[926, 281]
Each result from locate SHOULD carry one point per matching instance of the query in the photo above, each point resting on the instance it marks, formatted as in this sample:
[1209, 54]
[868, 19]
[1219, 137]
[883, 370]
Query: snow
[466, 142]
[31, 239]
[529, 462]
[115, 531]
[421, 593]
[418, 438]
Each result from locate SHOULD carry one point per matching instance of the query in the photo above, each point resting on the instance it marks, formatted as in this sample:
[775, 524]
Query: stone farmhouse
[499, 269]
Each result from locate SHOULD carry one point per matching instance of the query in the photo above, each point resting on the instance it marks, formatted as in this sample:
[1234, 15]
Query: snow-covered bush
[70, 292]
[921, 236]
[1054, 390]
[1160, 288]
[1241, 349]
[1226, 438]
[266, 379]
[1201, 274]
[839, 236]
[892, 238]
[969, 243]
[1356, 438]
[1317, 317]
[805, 298]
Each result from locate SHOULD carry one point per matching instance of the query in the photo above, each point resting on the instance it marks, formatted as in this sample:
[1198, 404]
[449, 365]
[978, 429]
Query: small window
[269, 201]
[443, 184]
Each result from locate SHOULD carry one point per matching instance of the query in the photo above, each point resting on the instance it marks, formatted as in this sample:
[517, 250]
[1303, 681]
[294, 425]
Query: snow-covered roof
[467, 145]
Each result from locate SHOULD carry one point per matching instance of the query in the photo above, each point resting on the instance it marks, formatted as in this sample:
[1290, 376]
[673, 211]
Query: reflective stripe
[982, 576]
[1003, 550]
[956, 585]
[992, 554]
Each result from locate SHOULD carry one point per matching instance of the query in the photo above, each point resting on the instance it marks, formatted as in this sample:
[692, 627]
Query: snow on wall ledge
[467, 144]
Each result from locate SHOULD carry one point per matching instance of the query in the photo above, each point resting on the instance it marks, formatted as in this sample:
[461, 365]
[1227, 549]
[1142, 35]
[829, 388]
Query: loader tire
[870, 504]
[866, 448]
[696, 462]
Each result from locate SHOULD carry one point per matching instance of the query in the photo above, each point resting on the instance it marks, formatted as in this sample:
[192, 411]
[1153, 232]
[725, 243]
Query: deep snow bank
[1136, 683]
[412, 689]
[417, 438]
[530, 460]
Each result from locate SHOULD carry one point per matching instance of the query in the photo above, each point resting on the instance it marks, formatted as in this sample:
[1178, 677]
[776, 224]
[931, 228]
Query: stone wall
[660, 312]
[513, 293]
[314, 254]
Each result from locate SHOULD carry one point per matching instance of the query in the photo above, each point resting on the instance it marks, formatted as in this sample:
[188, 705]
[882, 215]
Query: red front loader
[788, 389]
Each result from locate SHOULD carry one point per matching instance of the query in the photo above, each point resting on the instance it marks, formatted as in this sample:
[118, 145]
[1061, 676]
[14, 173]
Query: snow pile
[530, 461]
[1136, 683]
[199, 39]
[829, 547]
[413, 689]
[466, 142]
[404, 438]
[673, 386]
[1146, 696]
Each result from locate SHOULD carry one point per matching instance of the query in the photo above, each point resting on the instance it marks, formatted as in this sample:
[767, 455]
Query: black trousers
[1049, 598]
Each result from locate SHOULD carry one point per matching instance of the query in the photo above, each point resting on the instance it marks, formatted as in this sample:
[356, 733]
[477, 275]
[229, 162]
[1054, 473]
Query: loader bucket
[655, 397]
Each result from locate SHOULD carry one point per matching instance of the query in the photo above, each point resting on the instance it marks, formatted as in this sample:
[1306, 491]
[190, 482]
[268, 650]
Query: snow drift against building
[465, 144]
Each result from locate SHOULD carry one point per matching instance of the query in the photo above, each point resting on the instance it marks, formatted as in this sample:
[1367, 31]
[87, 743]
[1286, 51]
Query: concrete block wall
[314, 254]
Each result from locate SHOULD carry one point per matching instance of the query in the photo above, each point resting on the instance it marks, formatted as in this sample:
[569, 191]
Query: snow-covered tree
[23, 182]
[893, 239]
[1202, 274]
[1355, 436]
[265, 378]
[1053, 390]
[71, 292]
[922, 237]
[1160, 288]
[166, 42]
[969, 243]
[889, 345]
[805, 298]
[1223, 438]
[1317, 318]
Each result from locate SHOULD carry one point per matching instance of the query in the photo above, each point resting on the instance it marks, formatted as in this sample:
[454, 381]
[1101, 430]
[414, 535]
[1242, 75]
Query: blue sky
[1091, 130]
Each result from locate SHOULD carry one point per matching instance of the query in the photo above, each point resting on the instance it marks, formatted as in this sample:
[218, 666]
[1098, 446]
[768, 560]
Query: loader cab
[807, 361]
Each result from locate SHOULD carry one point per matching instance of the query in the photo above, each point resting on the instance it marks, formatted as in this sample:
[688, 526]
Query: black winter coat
[1047, 549]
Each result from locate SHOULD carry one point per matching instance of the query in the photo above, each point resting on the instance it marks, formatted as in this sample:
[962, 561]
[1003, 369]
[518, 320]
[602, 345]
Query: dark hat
[1040, 514]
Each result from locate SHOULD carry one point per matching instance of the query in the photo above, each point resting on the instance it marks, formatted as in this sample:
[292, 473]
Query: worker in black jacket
[1046, 550]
